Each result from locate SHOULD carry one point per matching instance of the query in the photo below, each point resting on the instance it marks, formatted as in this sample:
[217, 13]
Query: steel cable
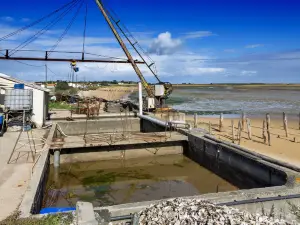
[35, 22]
[66, 30]
[46, 28]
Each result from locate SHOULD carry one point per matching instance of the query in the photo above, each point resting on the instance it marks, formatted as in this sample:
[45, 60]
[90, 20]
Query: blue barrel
[19, 86]
[1, 119]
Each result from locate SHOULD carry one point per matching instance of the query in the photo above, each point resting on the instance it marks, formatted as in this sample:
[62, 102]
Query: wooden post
[268, 119]
[88, 109]
[299, 121]
[240, 132]
[195, 120]
[264, 132]
[232, 131]
[243, 120]
[221, 122]
[209, 127]
[285, 126]
[249, 128]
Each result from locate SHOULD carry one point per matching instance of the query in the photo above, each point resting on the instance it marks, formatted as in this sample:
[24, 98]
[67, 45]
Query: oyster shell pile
[193, 211]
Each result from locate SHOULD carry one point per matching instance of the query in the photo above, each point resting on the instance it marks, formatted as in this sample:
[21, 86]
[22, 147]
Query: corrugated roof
[6, 77]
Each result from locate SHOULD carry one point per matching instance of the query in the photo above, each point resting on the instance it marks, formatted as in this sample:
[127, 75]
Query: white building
[40, 97]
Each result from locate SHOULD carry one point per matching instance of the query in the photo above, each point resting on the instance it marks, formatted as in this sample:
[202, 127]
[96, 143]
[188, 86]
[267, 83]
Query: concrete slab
[14, 177]
[108, 139]
[282, 207]
[85, 214]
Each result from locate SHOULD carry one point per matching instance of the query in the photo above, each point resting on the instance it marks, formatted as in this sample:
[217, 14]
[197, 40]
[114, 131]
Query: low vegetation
[62, 87]
[57, 219]
[59, 105]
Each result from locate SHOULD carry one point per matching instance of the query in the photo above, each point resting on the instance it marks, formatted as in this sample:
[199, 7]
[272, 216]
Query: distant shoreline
[245, 86]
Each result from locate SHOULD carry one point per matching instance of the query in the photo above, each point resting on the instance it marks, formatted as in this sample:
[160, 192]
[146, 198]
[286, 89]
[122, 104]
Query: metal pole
[46, 70]
[123, 46]
[141, 98]
[56, 158]
[24, 120]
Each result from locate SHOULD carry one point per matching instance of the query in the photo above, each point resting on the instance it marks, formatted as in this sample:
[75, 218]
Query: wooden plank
[221, 122]
[232, 131]
[264, 130]
[249, 128]
[240, 132]
[195, 120]
[243, 120]
[285, 124]
[268, 119]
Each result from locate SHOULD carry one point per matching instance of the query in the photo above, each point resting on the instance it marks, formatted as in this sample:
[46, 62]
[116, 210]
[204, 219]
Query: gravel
[193, 211]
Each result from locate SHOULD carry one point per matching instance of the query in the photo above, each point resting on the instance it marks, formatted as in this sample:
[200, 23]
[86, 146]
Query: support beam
[141, 98]
[67, 60]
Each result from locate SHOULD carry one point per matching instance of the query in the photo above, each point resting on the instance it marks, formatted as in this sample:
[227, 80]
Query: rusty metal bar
[127, 53]
[66, 60]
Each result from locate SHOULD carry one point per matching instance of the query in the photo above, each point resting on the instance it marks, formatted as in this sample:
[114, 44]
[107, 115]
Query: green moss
[59, 219]
[102, 178]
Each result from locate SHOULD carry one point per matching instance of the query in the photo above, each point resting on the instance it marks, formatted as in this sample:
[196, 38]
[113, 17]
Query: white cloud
[204, 70]
[229, 50]
[164, 44]
[25, 20]
[197, 34]
[7, 19]
[186, 66]
[248, 72]
[254, 46]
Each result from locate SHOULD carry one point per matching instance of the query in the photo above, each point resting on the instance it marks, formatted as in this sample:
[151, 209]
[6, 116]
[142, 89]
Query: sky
[191, 41]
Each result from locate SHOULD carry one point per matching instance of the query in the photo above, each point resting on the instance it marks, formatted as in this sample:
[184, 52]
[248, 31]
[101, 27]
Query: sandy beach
[282, 148]
[110, 93]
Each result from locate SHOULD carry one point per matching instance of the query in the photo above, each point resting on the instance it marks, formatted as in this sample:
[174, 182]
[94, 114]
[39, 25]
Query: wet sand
[282, 148]
[110, 93]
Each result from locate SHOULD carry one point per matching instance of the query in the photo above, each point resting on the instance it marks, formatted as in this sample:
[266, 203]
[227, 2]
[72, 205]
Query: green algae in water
[113, 182]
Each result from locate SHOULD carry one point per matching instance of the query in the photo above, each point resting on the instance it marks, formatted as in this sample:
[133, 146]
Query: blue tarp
[56, 210]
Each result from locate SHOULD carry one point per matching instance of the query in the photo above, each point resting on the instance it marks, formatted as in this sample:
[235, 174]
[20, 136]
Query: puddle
[123, 181]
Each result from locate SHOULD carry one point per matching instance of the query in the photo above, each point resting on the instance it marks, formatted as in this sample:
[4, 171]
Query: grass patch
[59, 219]
[59, 105]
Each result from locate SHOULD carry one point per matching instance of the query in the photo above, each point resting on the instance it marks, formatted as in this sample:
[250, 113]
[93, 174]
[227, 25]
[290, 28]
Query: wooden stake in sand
[221, 122]
[209, 127]
[268, 119]
[243, 120]
[264, 130]
[195, 120]
[285, 126]
[249, 128]
[299, 121]
[232, 131]
[240, 132]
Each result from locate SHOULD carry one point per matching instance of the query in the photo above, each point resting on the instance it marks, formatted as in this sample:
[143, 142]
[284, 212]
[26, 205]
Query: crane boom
[127, 53]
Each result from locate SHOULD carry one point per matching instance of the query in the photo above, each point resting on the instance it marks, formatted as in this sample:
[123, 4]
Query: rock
[193, 211]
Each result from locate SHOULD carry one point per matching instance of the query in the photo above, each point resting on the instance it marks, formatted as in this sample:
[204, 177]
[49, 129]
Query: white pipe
[56, 158]
[154, 120]
[141, 98]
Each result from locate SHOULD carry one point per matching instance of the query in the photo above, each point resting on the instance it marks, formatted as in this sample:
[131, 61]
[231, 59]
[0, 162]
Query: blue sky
[198, 41]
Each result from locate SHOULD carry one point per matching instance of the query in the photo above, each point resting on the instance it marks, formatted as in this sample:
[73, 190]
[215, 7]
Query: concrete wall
[128, 152]
[147, 126]
[239, 168]
[170, 116]
[98, 126]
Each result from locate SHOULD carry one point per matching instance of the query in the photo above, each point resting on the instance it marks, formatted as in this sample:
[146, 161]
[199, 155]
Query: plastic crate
[18, 99]
[19, 86]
